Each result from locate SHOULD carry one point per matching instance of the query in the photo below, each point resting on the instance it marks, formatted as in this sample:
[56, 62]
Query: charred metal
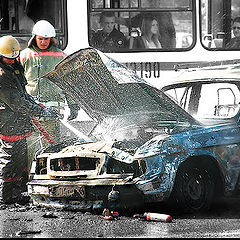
[141, 146]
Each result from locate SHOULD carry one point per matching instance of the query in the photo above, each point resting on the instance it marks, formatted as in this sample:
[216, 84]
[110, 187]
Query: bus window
[165, 4]
[174, 21]
[17, 18]
[216, 24]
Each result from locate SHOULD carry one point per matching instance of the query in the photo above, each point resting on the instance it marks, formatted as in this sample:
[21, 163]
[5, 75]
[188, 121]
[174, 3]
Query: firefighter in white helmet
[17, 108]
[43, 28]
[40, 57]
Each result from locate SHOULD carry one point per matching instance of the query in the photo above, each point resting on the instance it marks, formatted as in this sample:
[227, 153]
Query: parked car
[140, 147]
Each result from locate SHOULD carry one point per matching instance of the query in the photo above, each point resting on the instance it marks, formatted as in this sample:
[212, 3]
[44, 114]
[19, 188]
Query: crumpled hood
[95, 147]
[105, 88]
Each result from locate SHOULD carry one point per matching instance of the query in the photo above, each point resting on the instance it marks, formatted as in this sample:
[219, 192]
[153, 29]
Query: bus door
[217, 18]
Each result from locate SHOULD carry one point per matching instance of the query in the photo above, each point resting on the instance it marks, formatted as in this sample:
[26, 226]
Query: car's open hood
[105, 88]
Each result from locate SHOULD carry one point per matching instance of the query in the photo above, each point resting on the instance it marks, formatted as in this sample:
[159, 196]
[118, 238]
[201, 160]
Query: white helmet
[44, 29]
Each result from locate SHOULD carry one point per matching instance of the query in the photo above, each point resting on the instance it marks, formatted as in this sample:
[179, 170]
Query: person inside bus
[149, 35]
[109, 38]
[235, 41]
[166, 27]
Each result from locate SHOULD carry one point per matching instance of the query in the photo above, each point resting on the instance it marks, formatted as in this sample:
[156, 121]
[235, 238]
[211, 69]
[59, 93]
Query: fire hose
[75, 131]
[43, 131]
[48, 136]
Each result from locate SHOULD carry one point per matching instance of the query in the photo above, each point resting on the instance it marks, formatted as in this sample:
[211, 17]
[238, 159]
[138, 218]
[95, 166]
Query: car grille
[74, 163]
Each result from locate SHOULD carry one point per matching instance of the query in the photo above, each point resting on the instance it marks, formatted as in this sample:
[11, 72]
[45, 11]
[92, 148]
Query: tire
[193, 189]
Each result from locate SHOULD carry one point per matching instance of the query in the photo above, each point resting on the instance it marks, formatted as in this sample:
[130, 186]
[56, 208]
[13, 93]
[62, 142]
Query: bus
[193, 33]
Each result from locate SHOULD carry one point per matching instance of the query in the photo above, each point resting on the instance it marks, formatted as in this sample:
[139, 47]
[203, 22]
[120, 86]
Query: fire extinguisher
[159, 217]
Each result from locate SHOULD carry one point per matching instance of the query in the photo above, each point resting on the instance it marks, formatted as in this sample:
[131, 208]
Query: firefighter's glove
[51, 112]
[73, 111]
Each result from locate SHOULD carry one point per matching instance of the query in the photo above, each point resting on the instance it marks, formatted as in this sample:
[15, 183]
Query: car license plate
[67, 191]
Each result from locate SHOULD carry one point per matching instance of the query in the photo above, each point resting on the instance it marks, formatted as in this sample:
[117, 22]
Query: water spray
[75, 131]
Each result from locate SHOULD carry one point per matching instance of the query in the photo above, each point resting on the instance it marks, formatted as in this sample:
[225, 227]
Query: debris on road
[22, 232]
[159, 217]
[109, 215]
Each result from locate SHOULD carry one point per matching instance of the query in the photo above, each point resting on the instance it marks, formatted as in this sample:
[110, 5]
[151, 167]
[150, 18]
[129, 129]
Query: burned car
[140, 146]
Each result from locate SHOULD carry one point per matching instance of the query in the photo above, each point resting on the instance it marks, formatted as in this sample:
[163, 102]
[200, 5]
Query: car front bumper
[94, 194]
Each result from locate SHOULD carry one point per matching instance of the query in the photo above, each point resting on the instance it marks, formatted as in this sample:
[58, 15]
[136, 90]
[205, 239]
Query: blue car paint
[211, 141]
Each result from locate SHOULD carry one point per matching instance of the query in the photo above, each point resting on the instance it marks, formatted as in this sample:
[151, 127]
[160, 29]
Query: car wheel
[193, 188]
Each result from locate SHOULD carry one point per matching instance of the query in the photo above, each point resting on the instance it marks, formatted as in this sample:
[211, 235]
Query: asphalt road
[222, 221]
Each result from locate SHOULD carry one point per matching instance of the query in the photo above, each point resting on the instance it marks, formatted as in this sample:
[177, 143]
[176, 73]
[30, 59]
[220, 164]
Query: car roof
[226, 73]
